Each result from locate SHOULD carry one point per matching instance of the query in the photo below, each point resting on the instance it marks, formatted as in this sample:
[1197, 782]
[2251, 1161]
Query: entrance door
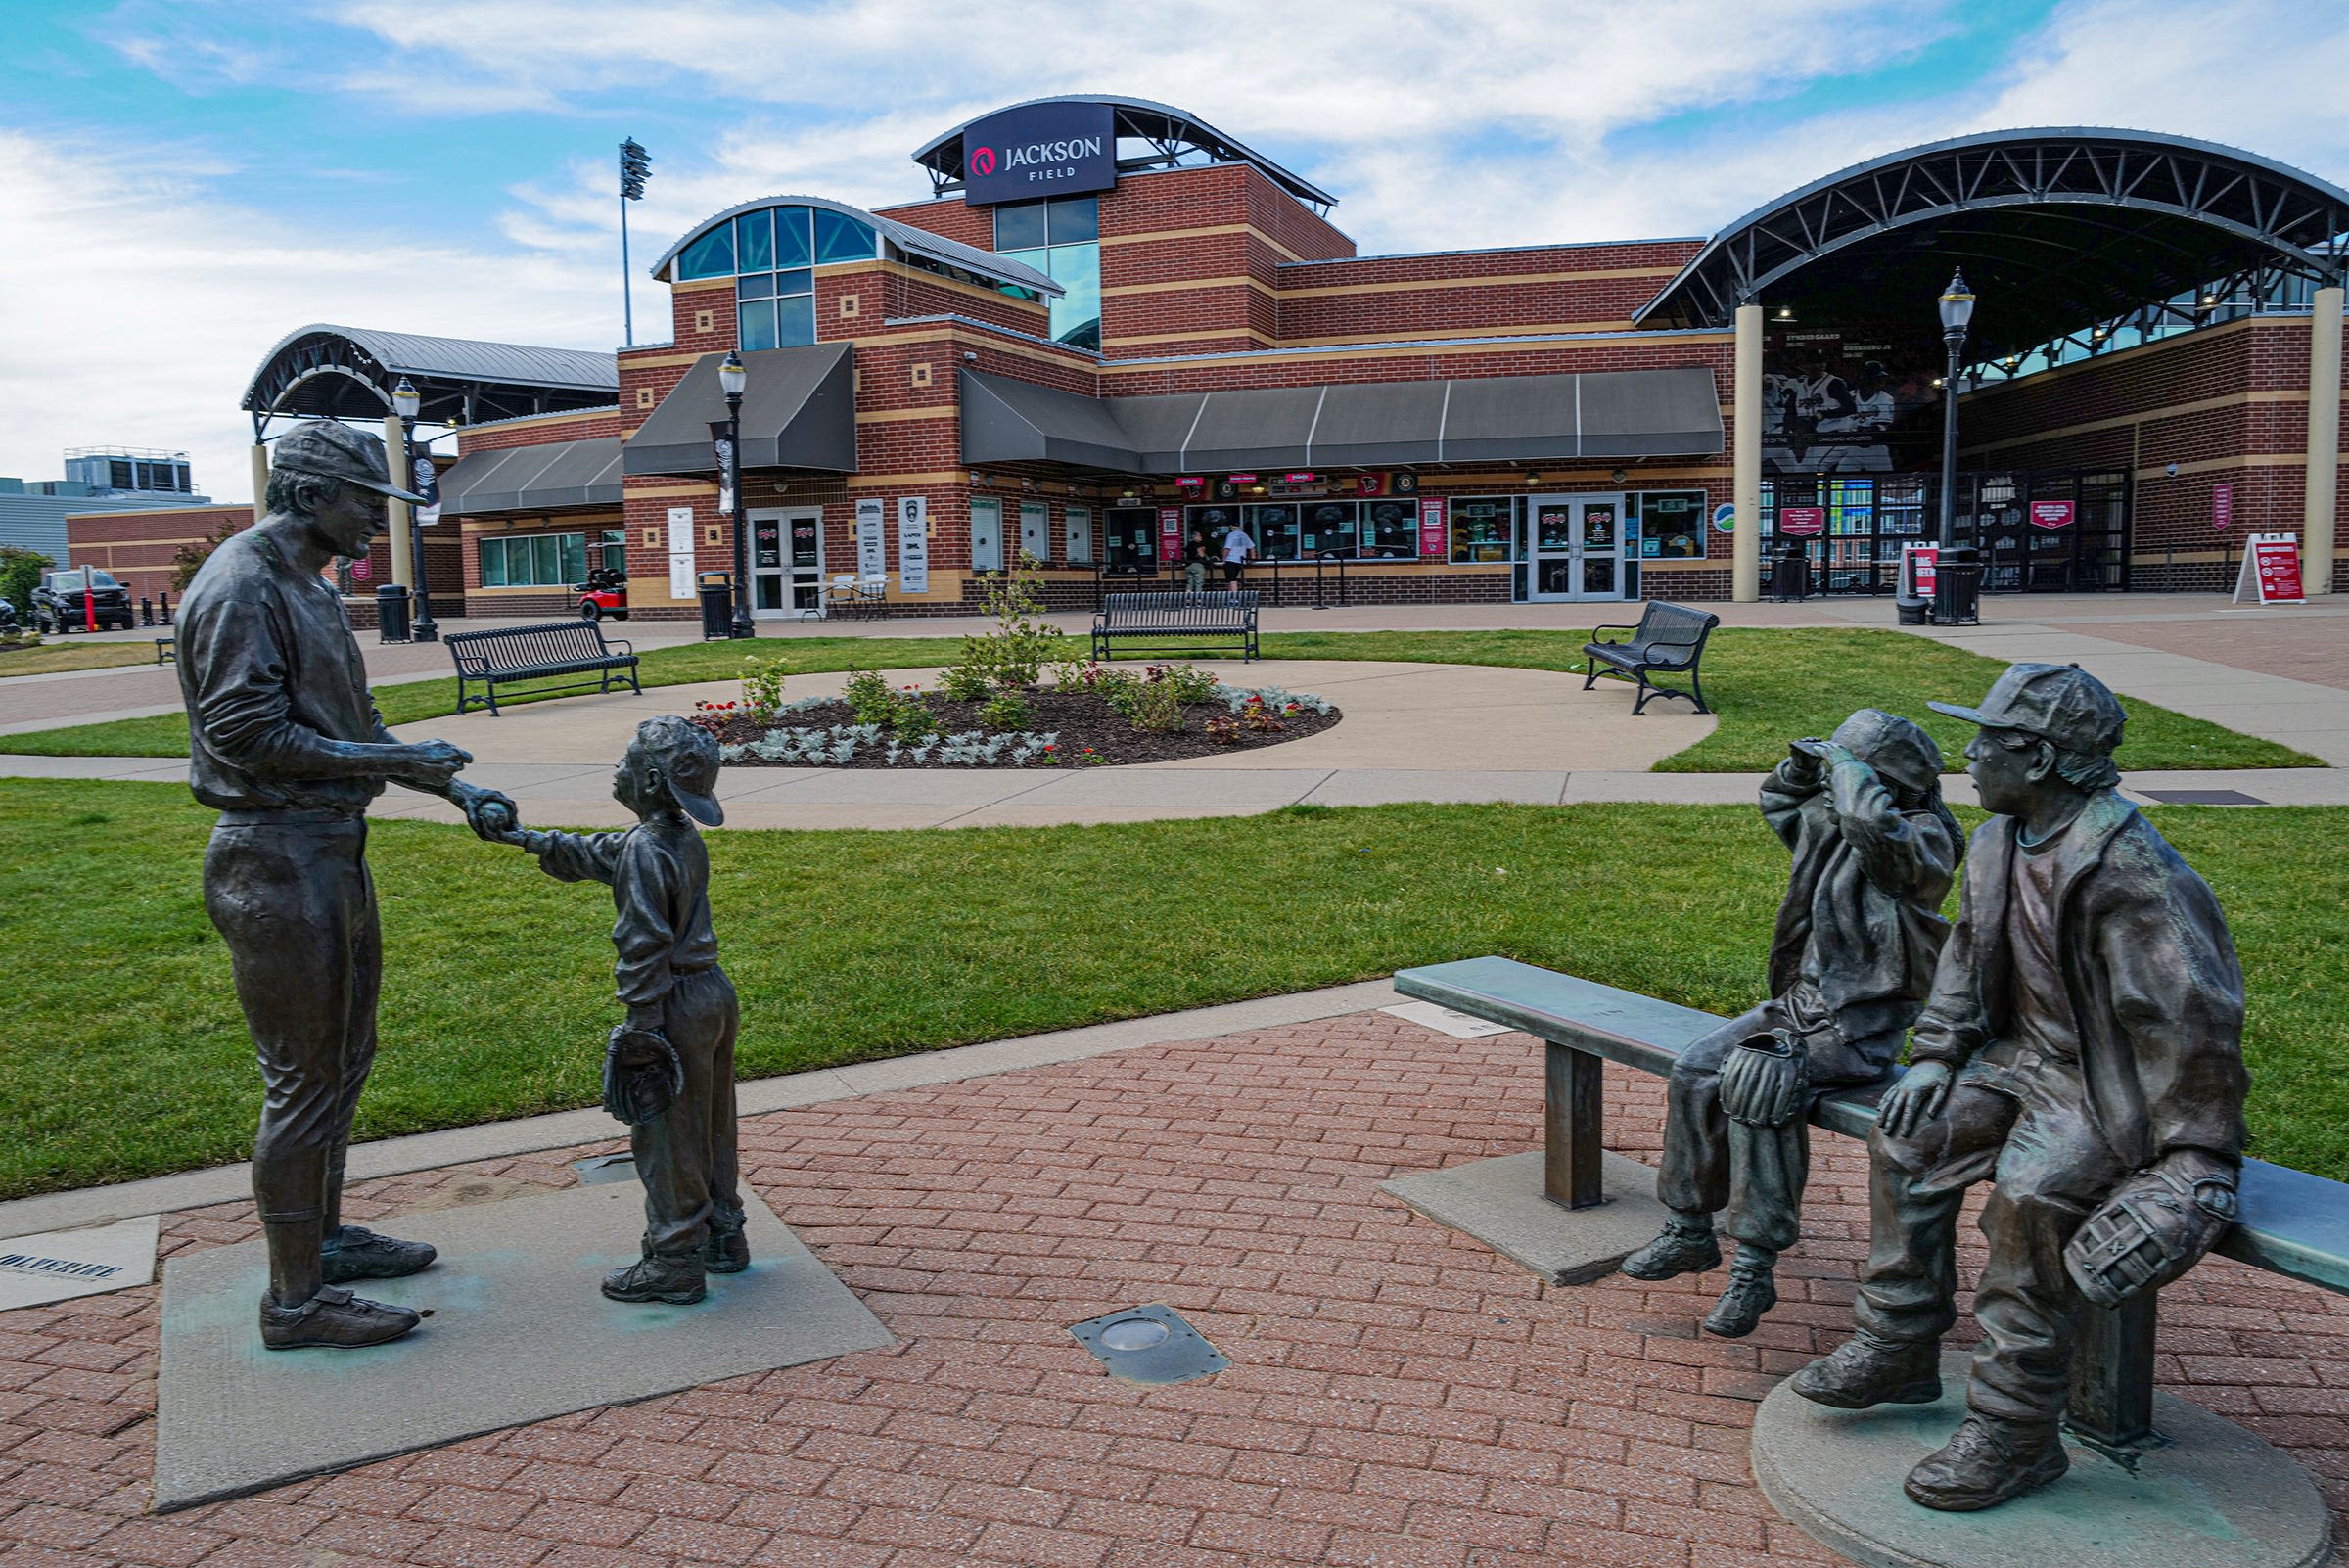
[1577, 547]
[787, 563]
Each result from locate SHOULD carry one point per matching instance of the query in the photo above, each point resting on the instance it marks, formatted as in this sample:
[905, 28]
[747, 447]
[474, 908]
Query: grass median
[1768, 684]
[49, 658]
[125, 1054]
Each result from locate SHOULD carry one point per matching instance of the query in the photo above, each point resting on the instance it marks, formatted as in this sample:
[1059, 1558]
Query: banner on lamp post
[425, 481]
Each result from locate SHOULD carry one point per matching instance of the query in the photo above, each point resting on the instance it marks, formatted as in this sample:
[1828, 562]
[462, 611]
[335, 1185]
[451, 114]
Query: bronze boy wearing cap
[2082, 1049]
[283, 740]
[1875, 851]
[668, 1071]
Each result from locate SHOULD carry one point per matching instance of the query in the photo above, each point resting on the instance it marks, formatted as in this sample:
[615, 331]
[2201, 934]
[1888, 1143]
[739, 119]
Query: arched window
[770, 252]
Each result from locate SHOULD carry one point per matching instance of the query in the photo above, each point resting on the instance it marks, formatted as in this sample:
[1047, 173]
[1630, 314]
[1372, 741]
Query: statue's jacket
[659, 873]
[2150, 971]
[1861, 917]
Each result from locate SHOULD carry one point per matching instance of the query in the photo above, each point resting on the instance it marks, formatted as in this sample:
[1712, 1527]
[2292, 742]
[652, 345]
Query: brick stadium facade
[139, 547]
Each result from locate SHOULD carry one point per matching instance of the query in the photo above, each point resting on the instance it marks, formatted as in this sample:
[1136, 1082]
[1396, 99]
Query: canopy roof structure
[2054, 228]
[547, 477]
[1173, 135]
[905, 238]
[330, 372]
[799, 411]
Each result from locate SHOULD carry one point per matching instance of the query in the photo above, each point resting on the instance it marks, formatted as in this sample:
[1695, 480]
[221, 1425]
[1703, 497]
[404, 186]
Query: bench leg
[1573, 1125]
[2112, 1376]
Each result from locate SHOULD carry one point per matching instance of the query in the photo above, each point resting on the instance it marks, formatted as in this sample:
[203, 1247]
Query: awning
[799, 411]
[534, 479]
[1496, 419]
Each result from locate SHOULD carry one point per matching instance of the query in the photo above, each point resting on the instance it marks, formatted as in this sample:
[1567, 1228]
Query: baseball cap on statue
[688, 759]
[326, 449]
[1893, 745]
[2060, 703]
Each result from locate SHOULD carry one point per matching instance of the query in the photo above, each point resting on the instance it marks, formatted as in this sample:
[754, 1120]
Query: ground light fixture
[1956, 312]
[733, 376]
[405, 402]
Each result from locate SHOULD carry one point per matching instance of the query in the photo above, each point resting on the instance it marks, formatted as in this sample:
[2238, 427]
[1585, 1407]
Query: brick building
[1112, 330]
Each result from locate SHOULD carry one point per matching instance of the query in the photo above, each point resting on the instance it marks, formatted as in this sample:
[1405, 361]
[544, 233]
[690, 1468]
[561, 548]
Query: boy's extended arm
[573, 856]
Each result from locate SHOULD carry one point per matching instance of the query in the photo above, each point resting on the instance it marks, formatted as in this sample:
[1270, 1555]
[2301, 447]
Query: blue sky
[193, 178]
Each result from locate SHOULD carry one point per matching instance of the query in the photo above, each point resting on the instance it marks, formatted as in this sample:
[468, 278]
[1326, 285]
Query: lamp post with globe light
[405, 402]
[1956, 309]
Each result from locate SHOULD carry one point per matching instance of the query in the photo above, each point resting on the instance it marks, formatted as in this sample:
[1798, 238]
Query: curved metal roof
[348, 372]
[1164, 124]
[904, 236]
[2053, 226]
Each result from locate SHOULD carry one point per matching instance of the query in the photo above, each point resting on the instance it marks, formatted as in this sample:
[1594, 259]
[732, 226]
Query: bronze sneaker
[1751, 1292]
[1865, 1370]
[332, 1320]
[1676, 1252]
[351, 1253]
[677, 1281]
[726, 1250]
[1986, 1463]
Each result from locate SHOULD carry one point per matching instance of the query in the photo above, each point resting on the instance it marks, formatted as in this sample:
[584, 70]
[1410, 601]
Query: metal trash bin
[392, 612]
[717, 604]
[1958, 590]
[1791, 574]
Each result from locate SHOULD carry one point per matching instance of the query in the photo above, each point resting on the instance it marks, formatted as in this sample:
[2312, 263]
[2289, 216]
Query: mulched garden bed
[1086, 732]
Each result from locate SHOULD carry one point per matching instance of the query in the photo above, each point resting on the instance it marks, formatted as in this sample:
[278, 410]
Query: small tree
[189, 559]
[20, 574]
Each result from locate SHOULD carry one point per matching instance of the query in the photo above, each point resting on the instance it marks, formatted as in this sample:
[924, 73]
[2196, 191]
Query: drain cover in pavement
[1149, 1345]
[602, 1168]
[2202, 797]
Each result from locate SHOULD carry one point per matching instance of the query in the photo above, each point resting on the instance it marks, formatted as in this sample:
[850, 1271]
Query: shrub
[965, 683]
[762, 686]
[869, 696]
[1005, 710]
[20, 574]
[1158, 705]
[1016, 652]
[910, 716]
[1222, 729]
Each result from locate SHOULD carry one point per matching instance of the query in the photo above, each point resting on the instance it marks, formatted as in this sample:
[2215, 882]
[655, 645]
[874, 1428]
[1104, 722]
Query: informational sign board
[1170, 533]
[2271, 571]
[2222, 506]
[872, 537]
[2050, 514]
[1920, 569]
[1038, 150]
[680, 552]
[1802, 522]
[1433, 542]
[913, 544]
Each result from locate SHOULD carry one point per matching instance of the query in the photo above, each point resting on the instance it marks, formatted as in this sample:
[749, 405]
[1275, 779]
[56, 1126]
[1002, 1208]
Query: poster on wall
[2222, 506]
[1431, 528]
[1802, 522]
[2271, 571]
[1170, 533]
[872, 538]
[2051, 514]
[1832, 404]
[680, 552]
[913, 544]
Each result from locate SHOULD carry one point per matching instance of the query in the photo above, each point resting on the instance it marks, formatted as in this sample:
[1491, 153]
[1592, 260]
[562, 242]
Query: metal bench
[1166, 620]
[550, 650]
[1670, 639]
[164, 652]
[2293, 1223]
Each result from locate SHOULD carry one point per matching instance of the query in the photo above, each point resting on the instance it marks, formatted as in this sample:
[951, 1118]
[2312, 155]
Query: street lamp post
[732, 376]
[1956, 309]
[405, 402]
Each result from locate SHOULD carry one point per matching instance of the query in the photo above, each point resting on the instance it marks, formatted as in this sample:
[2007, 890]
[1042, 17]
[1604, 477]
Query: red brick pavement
[1399, 1398]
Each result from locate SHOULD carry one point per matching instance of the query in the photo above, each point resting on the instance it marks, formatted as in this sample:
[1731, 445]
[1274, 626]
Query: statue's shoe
[1865, 1370]
[351, 1253]
[725, 1251]
[1751, 1292]
[1675, 1252]
[332, 1320]
[1986, 1463]
[677, 1281]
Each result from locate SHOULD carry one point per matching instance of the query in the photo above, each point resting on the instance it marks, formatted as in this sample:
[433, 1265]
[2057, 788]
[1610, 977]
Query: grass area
[1769, 684]
[129, 1056]
[51, 657]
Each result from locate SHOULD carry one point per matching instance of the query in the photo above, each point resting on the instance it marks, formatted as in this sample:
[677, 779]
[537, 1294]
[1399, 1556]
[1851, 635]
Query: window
[548, 560]
[1481, 528]
[1079, 523]
[1061, 239]
[1391, 530]
[1672, 524]
[987, 533]
[769, 254]
[1130, 536]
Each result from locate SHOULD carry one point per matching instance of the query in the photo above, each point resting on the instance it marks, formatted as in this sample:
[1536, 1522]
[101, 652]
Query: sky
[193, 179]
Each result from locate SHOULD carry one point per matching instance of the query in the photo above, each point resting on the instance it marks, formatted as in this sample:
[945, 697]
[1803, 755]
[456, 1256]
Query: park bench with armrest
[1166, 620]
[552, 649]
[2291, 1223]
[1670, 639]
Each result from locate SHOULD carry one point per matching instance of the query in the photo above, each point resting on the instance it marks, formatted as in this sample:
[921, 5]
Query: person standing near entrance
[1194, 562]
[1239, 550]
[285, 742]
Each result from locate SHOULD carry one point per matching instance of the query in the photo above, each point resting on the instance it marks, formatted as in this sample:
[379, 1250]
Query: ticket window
[1129, 540]
[1391, 531]
[1278, 531]
[1330, 527]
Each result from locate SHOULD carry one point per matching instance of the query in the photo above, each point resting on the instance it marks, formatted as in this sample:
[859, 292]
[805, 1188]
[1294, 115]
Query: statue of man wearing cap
[1875, 850]
[285, 742]
[2082, 1050]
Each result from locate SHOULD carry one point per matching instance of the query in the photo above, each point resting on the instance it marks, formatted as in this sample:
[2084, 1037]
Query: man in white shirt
[1238, 549]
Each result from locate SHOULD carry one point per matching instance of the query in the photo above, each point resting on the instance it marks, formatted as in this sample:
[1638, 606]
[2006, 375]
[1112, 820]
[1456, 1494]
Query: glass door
[787, 563]
[1577, 547]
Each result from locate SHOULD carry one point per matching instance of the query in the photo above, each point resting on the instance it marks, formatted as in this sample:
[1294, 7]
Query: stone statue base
[1500, 1203]
[2216, 1497]
[517, 1333]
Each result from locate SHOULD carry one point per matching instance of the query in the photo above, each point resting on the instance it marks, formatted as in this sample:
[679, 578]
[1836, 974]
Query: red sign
[1432, 532]
[1802, 522]
[1924, 568]
[2276, 558]
[1193, 483]
[2222, 506]
[1242, 479]
[2051, 514]
[1170, 533]
[1299, 479]
[1369, 484]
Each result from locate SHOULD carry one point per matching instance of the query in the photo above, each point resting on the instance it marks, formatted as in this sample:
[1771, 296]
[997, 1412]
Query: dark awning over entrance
[534, 479]
[799, 411]
[1500, 419]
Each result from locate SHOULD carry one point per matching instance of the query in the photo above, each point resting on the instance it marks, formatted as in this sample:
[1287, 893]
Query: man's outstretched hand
[490, 814]
[1915, 1101]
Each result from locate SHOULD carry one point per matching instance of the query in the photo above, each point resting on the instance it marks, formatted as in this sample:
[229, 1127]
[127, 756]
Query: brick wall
[137, 547]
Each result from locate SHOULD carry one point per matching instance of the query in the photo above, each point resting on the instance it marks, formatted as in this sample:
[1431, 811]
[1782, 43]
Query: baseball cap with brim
[2060, 703]
[325, 449]
[689, 760]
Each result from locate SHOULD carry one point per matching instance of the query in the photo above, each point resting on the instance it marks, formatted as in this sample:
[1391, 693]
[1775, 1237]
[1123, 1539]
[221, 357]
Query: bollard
[146, 611]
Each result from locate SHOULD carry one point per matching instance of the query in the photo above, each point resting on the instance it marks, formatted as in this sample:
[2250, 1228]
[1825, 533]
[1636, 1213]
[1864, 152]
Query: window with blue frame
[771, 254]
[1061, 239]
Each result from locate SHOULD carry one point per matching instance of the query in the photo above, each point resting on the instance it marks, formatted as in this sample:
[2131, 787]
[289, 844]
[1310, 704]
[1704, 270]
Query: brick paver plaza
[1398, 1397]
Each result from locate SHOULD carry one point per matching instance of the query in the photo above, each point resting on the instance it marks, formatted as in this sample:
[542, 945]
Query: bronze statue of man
[285, 741]
[1874, 852]
[2083, 1051]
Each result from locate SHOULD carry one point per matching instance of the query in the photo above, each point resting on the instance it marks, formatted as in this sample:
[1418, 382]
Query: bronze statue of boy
[1875, 853]
[2083, 1050]
[668, 1069]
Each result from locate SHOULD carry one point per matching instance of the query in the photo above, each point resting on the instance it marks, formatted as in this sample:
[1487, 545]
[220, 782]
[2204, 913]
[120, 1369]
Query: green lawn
[125, 1054]
[1769, 683]
[52, 656]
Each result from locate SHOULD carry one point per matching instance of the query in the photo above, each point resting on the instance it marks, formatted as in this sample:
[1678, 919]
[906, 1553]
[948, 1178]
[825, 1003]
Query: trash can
[717, 604]
[1790, 574]
[1913, 612]
[1958, 590]
[392, 612]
